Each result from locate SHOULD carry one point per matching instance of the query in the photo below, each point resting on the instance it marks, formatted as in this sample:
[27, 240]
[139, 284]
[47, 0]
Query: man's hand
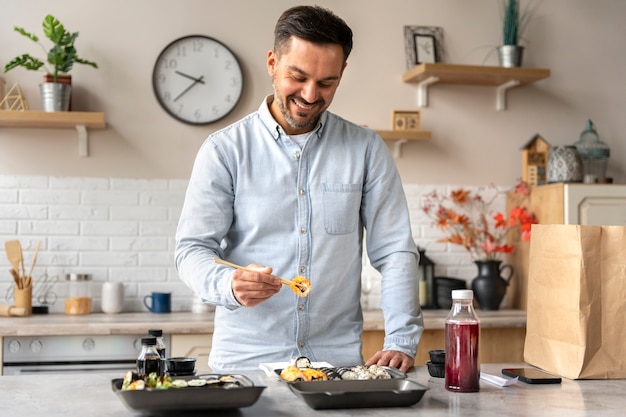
[252, 288]
[392, 358]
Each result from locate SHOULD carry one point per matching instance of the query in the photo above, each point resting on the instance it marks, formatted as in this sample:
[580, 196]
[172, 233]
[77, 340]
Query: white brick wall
[123, 230]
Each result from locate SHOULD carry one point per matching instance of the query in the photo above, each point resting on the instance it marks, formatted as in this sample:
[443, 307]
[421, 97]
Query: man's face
[305, 77]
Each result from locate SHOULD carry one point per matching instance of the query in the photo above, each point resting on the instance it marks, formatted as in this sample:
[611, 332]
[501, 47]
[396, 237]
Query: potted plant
[513, 23]
[61, 58]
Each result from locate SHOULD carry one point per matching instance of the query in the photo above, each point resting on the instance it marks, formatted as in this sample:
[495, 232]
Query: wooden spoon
[300, 285]
[14, 253]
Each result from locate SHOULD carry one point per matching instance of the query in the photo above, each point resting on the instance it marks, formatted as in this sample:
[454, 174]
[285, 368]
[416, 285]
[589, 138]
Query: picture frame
[413, 35]
[425, 49]
[406, 120]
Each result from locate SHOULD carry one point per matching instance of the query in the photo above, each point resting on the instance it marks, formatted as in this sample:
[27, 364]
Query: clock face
[197, 80]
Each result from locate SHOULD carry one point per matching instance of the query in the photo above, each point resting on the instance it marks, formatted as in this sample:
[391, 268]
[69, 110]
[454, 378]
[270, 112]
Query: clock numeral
[181, 50]
[197, 46]
[198, 115]
[170, 63]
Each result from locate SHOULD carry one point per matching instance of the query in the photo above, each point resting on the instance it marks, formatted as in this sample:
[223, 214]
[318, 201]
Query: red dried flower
[463, 217]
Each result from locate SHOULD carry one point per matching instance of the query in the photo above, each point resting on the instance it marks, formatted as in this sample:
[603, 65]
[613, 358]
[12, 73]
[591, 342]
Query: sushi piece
[378, 372]
[311, 374]
[347, 374]
[331, 373]
[300, 362]
[292, 373]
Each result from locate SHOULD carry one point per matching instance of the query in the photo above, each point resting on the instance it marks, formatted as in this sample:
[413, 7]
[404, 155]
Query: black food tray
[190, 398]
[359, 394]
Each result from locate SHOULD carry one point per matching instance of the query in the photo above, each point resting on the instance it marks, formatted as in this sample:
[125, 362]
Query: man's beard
[282, 105]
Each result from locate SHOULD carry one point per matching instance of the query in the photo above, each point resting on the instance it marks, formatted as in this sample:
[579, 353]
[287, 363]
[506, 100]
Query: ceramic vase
[490, 284]
[564, 165]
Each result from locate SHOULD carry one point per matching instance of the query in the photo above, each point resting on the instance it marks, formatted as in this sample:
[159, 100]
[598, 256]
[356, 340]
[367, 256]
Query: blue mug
[160, 302]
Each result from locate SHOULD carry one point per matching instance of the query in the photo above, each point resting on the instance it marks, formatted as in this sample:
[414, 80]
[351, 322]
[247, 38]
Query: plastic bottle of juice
[461, 344]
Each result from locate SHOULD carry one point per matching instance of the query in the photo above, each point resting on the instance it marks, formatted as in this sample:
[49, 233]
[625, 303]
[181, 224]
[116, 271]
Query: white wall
[578, 40]
[121, 229]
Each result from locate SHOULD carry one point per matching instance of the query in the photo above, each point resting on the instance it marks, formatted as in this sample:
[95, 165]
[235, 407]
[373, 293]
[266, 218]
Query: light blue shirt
[255, 196]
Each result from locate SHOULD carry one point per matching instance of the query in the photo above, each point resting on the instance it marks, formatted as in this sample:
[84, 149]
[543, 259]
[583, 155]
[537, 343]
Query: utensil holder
[23, 297]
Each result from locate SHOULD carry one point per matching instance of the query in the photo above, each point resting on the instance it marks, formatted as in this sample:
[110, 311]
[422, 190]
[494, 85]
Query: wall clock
[197, 79]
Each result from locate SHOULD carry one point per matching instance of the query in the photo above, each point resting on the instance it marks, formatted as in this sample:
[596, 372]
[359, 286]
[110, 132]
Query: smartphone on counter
[532, 375]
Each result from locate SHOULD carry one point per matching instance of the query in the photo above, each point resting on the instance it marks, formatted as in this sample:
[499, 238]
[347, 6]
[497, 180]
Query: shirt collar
[272, 124]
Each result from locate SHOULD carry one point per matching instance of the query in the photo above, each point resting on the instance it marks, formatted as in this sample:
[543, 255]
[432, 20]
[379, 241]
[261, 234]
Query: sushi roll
[347, 374]
[331, 373]
[378, 372]
[300, 362]
[311, 374]
[292, 373]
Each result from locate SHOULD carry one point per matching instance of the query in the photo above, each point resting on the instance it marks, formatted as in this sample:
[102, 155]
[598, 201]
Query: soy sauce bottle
[462, 370]
[149, 359]
[160, 345]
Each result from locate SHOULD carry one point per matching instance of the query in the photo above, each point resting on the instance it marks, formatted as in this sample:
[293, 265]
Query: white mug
[112, 297]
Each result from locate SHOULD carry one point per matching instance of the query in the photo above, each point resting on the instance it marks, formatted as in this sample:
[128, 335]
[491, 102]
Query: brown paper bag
[577, 301]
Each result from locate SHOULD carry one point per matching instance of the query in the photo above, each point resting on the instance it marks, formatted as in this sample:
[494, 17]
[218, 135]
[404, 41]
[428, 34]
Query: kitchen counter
[91, 394]
[198, 323]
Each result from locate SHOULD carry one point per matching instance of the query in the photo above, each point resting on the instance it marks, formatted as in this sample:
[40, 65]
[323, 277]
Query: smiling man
[290, 190]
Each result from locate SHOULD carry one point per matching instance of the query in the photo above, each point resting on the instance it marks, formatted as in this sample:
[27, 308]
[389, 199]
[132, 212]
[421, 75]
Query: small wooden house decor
[535, 160]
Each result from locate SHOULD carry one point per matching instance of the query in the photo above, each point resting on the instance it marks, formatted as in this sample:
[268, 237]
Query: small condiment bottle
[160, 345]
[149, 359]
[462, 329]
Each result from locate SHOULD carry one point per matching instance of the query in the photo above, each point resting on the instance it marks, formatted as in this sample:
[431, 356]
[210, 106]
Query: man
[295, 186]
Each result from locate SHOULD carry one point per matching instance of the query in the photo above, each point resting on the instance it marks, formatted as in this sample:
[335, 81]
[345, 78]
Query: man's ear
[272, 62]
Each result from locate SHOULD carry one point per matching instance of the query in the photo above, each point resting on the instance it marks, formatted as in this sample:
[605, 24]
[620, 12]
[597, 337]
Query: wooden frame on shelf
[405, 120]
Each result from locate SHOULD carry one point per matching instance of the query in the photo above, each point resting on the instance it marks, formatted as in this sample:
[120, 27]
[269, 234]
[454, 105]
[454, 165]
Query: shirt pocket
[342, 204]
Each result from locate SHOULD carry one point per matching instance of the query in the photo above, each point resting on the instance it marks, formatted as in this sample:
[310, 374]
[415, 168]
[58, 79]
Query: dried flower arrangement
[467, 219]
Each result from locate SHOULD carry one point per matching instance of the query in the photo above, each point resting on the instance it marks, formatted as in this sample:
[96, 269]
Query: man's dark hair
[314, 24]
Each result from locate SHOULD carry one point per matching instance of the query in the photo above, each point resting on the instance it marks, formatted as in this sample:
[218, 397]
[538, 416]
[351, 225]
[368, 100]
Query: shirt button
[300, 345]
[296, 155]
[302, 269]
[301, 191]
[301, 307]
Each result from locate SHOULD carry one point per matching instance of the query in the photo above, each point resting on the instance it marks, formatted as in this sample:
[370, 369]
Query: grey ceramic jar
[564, 165]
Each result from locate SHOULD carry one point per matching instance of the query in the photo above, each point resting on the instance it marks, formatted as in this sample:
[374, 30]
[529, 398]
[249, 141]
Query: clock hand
[196, 81]
[190, 77]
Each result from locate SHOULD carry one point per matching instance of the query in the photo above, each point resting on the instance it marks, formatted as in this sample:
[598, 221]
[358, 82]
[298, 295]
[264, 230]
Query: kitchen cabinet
[502, 335]
[81, 121]
[561, 203]
[425, 75]
[194, 345]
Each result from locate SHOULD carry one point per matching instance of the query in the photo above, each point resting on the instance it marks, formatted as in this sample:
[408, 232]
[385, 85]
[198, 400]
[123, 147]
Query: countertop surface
[91, 394]
[192, 323]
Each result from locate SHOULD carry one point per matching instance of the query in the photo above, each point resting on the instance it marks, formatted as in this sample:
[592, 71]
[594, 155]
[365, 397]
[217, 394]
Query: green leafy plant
[514, 21]
[61, 57]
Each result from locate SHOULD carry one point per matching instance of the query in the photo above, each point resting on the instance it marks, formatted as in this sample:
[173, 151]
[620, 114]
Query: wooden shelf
[402, 136]
[81, 121]
[503, 78]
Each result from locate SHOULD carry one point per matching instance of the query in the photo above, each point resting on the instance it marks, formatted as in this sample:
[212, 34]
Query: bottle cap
[151, 340]
[462, 294]
[155, 332]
